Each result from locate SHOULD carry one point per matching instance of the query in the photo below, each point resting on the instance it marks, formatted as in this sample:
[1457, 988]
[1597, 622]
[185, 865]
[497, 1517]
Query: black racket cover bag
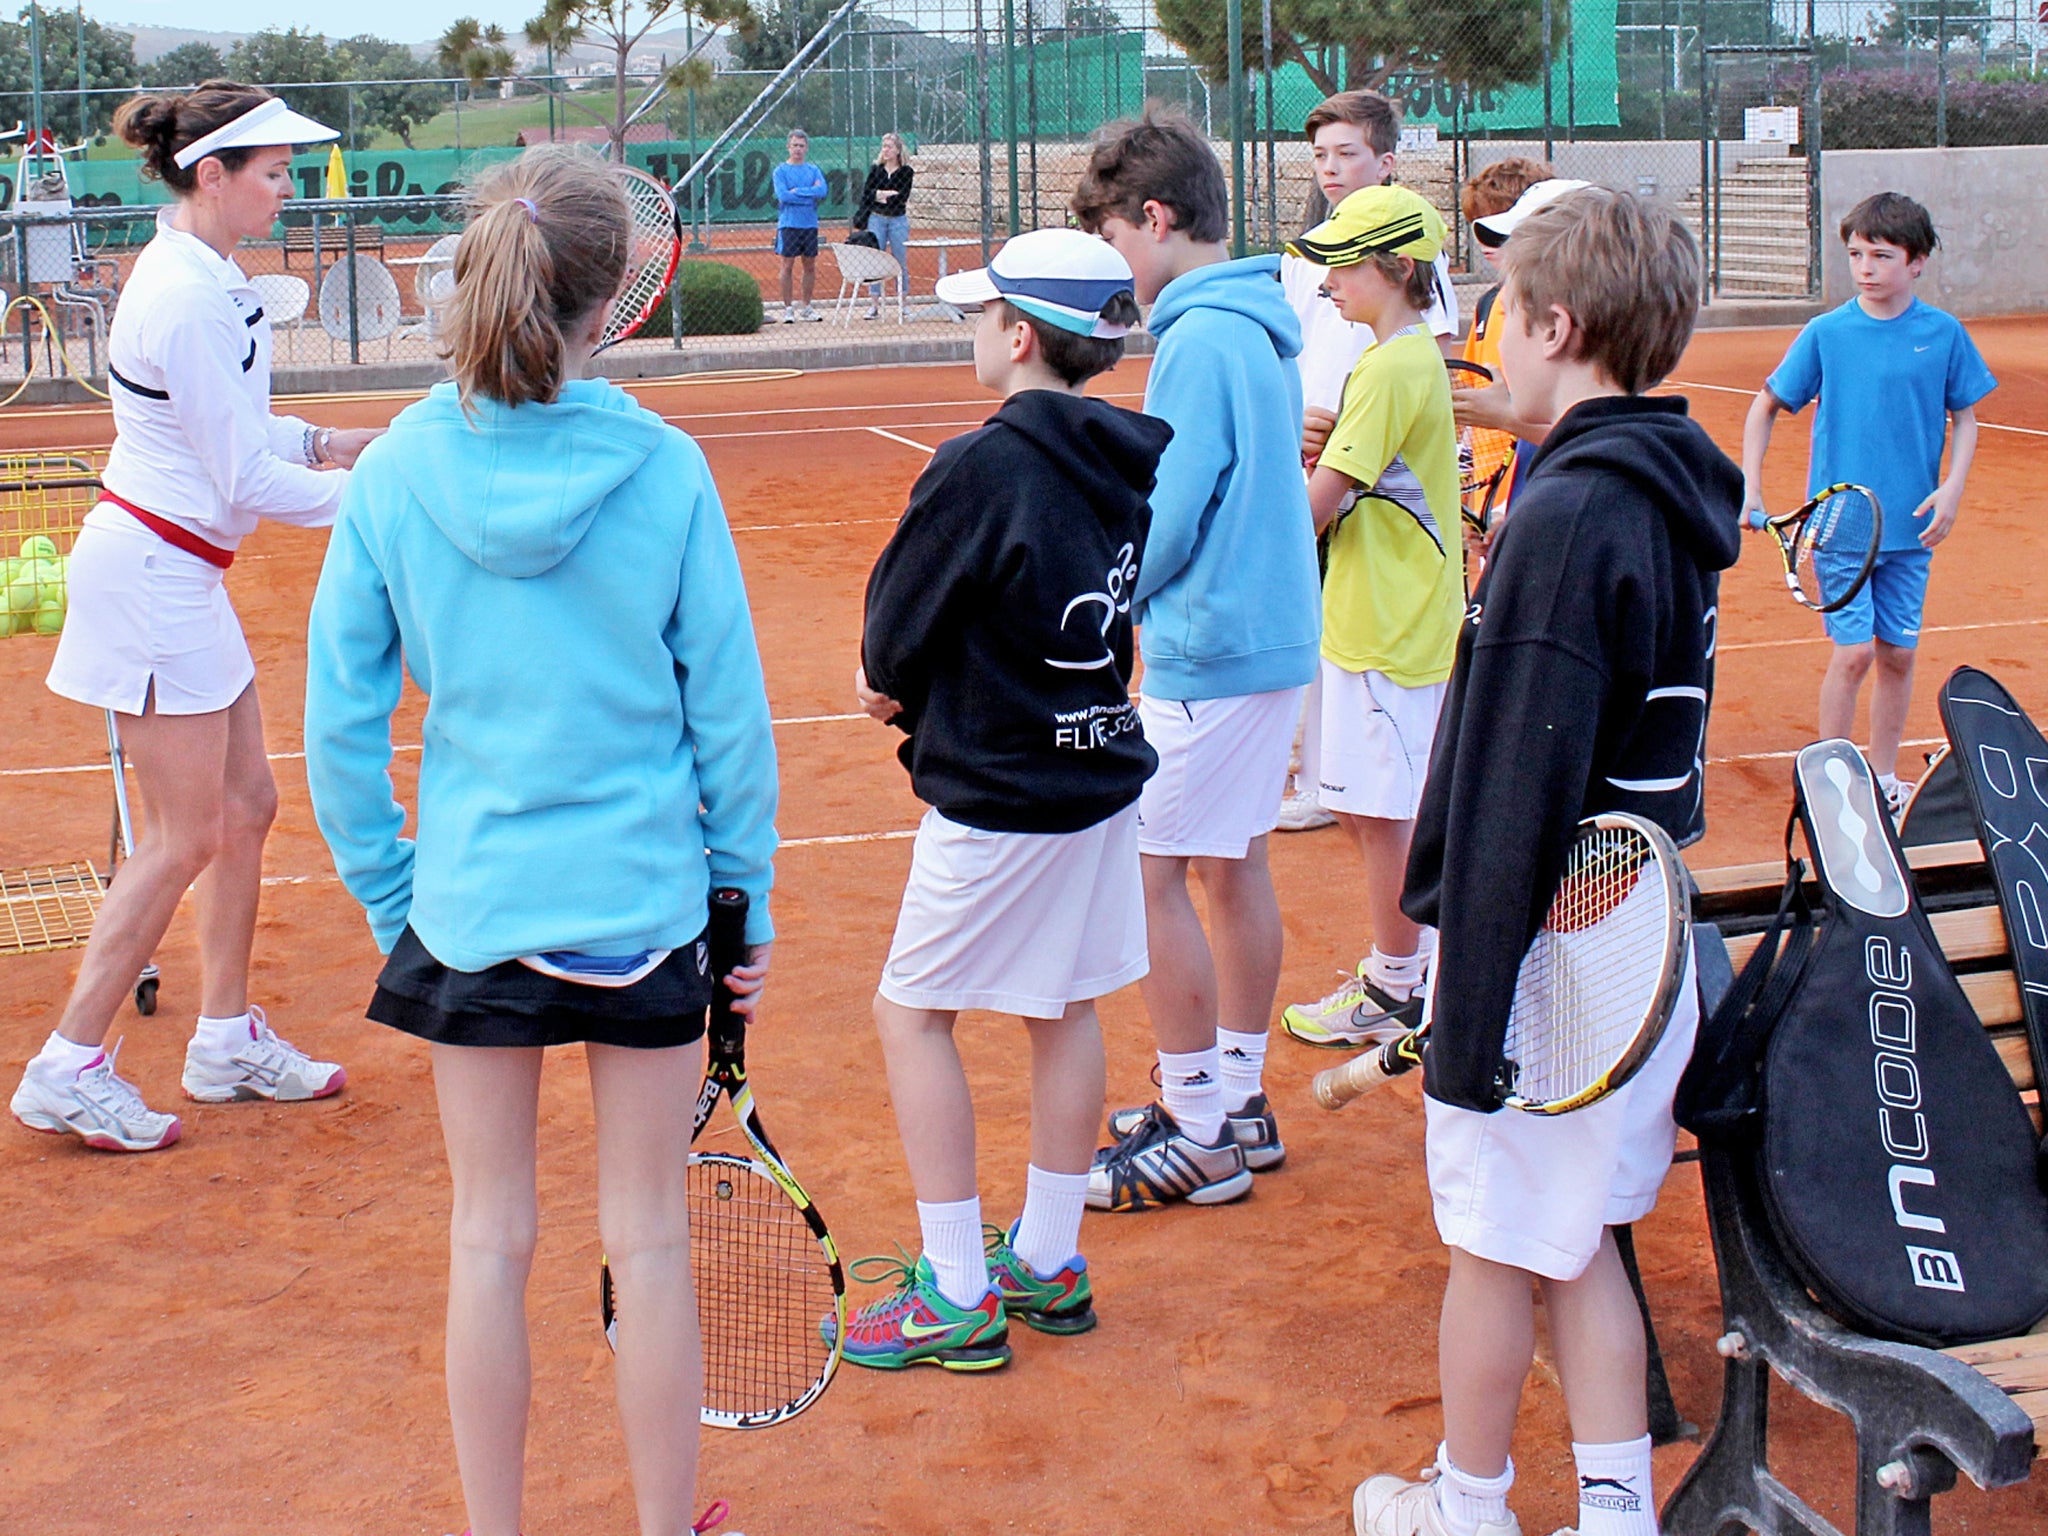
[1896, 1159]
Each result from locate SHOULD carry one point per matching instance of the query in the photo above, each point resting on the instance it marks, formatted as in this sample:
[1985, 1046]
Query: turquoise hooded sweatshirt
[560, 582]
[1227, 597]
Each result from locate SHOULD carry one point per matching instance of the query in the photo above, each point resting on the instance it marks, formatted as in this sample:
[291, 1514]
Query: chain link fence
[1720, 107]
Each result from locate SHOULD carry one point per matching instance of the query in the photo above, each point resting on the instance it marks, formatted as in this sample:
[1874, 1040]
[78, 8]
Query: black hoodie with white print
[1584, 673]
[999, 616]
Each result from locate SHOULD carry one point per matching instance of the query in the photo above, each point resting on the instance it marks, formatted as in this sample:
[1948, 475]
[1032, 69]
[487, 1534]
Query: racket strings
[1839, 532]
[762, 1289]
[1592, 973]
[649, 264]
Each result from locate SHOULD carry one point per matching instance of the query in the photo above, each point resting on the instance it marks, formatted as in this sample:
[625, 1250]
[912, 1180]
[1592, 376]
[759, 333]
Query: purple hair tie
[532, 213]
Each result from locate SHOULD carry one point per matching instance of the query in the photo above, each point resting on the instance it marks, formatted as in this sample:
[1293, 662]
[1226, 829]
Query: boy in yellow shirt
[1394, 591]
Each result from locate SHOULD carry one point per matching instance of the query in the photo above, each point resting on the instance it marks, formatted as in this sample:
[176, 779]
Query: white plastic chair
[284, 300]
[377, 311]
[433, 280]
[858, 266]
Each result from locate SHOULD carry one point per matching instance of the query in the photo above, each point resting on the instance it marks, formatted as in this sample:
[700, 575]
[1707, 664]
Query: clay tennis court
[242, 1335]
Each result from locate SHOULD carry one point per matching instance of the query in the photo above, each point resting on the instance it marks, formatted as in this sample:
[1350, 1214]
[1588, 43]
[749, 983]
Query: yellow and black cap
[1374, 221]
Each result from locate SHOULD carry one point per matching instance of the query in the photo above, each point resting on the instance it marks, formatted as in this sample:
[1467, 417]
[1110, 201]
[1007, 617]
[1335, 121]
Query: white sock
[1244, 1065]
[1049, 1232]
[223, 1037]
[60, 1057]
[1399, 976]
[1614, 1489]
[1191, 1087]
[1466, 1502]
[952, 1241]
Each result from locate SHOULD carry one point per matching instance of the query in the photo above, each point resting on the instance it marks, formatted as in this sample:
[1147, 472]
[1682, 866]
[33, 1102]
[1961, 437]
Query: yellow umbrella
[337, 173]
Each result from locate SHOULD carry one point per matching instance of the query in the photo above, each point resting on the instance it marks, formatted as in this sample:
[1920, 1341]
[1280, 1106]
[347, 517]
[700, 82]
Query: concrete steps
[1763, 235]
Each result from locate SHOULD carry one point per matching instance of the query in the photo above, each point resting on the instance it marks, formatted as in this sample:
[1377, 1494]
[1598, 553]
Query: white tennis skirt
[140, 612]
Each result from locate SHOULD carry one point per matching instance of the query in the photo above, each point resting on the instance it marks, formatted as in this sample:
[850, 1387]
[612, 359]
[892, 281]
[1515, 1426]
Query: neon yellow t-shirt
[1395, 590]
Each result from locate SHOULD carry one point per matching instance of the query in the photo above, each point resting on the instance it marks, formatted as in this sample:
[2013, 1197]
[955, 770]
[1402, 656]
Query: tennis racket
[1841, 528]
[766, 1268]
[1484, 453]
[1596, 988]
[651, 267]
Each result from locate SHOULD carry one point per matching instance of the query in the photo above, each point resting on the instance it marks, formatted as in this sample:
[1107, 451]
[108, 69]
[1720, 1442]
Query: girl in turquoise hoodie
[551, 565]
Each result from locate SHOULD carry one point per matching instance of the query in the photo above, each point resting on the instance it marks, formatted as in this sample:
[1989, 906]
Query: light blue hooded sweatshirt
[1227, 592]
[560, 582]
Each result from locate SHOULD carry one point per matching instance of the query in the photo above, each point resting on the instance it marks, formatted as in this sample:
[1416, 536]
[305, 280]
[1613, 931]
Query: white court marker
[1932, 629]
[909, 443]
[1730, 389]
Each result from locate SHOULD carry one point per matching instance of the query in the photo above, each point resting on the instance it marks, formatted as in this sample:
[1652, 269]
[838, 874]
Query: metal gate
[1760, 133]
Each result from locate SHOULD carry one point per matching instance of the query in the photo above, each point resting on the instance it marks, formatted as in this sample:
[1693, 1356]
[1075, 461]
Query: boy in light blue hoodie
[1229, 626]
[551, 565]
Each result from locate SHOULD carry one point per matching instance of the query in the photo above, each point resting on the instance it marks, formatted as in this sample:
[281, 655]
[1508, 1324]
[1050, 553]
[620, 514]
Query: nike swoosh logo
[916, 1331]
[1920, 349]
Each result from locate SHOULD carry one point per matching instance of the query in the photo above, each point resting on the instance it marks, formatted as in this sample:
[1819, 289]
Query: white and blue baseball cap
[1060, 276]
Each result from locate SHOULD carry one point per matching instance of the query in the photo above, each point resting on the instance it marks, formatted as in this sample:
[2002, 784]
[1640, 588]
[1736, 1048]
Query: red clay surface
[242, 1335]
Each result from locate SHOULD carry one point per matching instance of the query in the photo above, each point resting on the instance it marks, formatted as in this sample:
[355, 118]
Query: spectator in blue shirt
[799, 188]
[1891, 374]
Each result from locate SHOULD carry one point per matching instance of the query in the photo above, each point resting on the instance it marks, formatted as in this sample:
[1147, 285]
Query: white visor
[263, 126]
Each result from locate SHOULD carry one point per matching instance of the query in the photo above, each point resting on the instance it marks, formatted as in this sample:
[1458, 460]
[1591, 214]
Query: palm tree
[619, 25]
[474, 51]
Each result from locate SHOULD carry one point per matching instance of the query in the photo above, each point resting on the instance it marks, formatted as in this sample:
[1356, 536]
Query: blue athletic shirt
[798, 191]
[1886, 388]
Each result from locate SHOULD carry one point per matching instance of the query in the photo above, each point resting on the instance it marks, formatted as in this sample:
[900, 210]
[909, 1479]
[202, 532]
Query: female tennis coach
[197, 459]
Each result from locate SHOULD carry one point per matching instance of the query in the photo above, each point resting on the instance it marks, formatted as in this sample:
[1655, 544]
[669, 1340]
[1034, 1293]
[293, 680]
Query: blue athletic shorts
[796, 242]
[1888, 607]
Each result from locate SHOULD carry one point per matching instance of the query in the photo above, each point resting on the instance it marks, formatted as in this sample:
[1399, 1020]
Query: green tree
[780, 30]
[475, 52]
[397, 108]
[296, 65]
[186, 64]
[1919, 23]
[618, 26]
[1363, 44]
[109, 62]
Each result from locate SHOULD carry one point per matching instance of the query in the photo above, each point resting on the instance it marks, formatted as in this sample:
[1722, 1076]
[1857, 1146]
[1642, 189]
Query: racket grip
[727, 935]
[1337, 1086]
[1756, 517]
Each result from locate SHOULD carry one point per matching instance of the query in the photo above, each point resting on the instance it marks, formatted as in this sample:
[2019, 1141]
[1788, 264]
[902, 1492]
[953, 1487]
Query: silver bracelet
[306, 446]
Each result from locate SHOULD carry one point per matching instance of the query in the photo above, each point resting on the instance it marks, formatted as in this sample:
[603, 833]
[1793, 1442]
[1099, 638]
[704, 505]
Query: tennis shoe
[94, 1103]
[1357, 1014]
[1254, 1126]
[1062, 1302]
[1302, 812]
[1393, 1506]
[808, 313]
[915, 1325]
[267, 1067]
[1158, 1163]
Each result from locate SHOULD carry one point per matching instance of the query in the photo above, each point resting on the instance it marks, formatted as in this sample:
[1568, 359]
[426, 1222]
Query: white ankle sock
[1191, 1087]
[223, 1037]
[952, 1241]
[1049, 1232]
[1465, 1501]
[1614, 1489]
[60, 1056]
[1244, 1065]
[1399, 976]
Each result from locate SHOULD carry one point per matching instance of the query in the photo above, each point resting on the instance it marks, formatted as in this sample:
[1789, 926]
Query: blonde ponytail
[546, 244]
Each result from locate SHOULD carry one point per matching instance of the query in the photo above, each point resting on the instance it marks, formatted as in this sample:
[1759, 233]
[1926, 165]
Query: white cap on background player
[1060, 276]
[266, 125]
[1495, 228]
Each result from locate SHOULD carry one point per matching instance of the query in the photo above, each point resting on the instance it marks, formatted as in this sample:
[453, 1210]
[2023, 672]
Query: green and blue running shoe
[915, 1325]
[1062, 1302]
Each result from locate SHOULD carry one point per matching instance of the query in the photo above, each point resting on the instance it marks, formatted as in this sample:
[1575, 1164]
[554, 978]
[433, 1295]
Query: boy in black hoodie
[998, 637]
[1582, 681]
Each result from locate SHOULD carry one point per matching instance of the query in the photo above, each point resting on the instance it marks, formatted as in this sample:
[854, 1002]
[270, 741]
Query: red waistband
[171, 533]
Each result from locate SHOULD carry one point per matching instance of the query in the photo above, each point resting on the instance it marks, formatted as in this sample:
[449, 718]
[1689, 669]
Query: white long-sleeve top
[194, 439]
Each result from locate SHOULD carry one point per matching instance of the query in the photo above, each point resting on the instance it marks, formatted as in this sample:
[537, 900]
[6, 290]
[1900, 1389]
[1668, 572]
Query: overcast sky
[405, 21]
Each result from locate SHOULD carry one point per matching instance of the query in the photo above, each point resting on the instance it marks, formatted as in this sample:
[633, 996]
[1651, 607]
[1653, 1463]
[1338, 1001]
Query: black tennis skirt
[514, 1005]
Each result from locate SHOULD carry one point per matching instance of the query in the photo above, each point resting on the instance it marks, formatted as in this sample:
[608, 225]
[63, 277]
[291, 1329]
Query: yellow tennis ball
[49, 617]
[39, 547]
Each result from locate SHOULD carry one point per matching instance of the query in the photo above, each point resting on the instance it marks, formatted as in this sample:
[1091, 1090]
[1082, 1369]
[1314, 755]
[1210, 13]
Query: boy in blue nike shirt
[1227, 604]
[1891, 374]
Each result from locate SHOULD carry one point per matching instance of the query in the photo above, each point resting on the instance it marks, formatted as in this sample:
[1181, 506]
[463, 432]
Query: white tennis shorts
[1018, 922]
[1222, 771]
[141, 611]
[1538, 1191]
[1372, 748]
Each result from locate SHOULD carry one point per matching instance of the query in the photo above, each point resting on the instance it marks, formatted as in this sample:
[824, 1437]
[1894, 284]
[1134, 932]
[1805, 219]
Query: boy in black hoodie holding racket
[999, 638]
[1582, 682]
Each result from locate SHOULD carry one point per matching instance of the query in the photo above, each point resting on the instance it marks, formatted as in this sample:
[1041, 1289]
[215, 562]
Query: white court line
[906, 442]
[837, 522]
[1932, 629]
[1730, 389]
[907, 405]
[300, 756]
[1766, 757]
[815, 430]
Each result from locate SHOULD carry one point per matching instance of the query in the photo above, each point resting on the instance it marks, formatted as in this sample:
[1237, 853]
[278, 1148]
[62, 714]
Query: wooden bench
[1920, 1415]
[332, 243]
